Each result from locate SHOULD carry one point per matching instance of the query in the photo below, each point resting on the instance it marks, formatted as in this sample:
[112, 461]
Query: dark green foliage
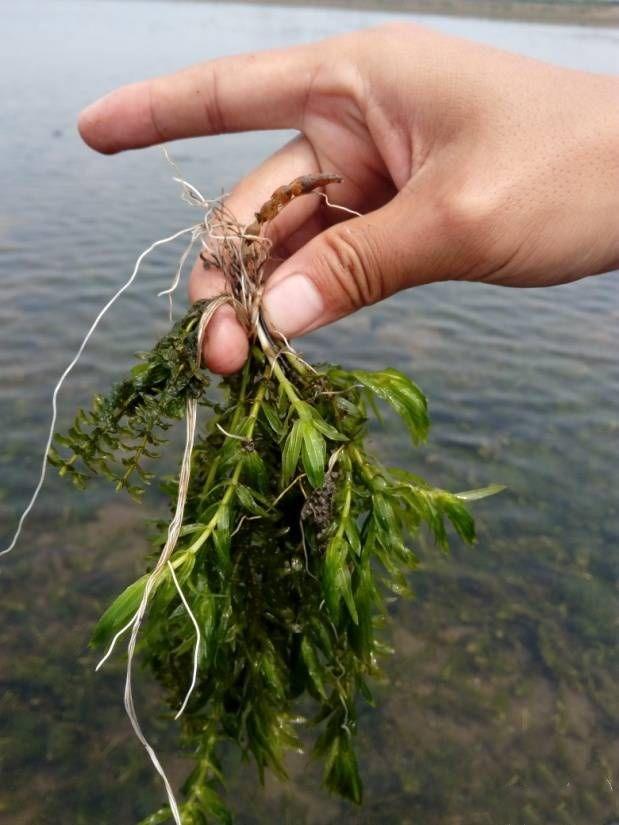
[295, 537]
[121, 430]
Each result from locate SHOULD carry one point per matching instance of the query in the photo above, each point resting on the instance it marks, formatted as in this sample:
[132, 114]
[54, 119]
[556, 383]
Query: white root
[341, 208]
[112, 645]
[179, 271]
[69, 368]
[196, 650]
[174, 530]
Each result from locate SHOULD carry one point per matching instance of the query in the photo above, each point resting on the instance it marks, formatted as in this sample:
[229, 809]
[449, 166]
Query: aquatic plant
[261, 612]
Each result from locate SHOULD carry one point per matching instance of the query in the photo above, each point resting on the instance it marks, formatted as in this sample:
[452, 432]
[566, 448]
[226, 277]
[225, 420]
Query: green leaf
[335, 557]
[63, 440]
[352, 534]
[343, 771]
[384, 513]
[221, 536]
[248, 501]
[362, 635]
[481, 492]
[160, 817]
[56, 460]
[399, 585]
[343, 583]
[365, 691]
[256, 471]
[273, 420]
[458, 515]
[314, 668]
[326, 429]
[409, 478]
[404, 396]
[304, 410]
[271, 669]
[291, 452]
[211, 804]
[336, 579]
[313, 454]
[118, 613]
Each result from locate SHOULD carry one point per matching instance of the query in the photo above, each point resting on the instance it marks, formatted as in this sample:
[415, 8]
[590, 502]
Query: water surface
[501, 705]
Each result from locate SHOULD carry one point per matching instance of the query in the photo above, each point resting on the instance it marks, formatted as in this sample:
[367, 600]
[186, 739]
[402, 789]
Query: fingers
[226, 348]
[357, 263]
[266, 90]
[349, 265]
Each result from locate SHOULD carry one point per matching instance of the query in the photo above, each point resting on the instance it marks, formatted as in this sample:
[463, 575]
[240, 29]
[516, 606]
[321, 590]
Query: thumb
[351, 265]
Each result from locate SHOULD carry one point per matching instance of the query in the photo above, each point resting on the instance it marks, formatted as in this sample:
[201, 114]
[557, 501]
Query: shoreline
[601, 15]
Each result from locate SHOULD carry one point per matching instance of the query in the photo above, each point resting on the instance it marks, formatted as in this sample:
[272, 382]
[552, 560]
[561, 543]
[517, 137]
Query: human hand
[468, 163]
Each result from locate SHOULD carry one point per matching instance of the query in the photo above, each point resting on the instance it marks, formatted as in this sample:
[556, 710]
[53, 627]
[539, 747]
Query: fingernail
[293, 305]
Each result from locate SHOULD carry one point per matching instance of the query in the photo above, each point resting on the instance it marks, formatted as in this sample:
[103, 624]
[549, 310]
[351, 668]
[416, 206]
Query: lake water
[501, 706]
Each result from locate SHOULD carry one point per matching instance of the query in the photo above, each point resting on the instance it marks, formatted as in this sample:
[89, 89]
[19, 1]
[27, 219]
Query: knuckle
[154, 112]
[463, 212]
[350, 263]
[467, 225]
[213, 112]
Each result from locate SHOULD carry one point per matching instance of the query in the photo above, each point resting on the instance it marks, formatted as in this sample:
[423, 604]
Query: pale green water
[502, 704]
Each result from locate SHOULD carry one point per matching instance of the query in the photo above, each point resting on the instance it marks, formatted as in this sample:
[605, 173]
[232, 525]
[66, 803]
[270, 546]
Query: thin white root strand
[179, 271]
[230, 435]
[240, 524]
[174, 530]
[121, 632]
[69, 368]
[334, 459]
[190, 194]
[288, 488]
[173, 533]
[196, 650]
[338, 206]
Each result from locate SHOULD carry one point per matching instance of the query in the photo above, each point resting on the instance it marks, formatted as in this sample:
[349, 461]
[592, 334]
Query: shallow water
[501, 705]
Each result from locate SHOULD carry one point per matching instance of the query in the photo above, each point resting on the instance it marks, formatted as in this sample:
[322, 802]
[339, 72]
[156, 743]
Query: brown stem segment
[282, 196]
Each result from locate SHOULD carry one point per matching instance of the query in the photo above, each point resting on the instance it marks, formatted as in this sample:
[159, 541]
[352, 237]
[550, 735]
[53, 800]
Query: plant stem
[363, 465]
[234, 479]
[345, 511]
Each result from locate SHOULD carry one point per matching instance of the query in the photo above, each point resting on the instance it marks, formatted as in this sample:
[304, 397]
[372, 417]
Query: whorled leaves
[294, 535]
[122, 430]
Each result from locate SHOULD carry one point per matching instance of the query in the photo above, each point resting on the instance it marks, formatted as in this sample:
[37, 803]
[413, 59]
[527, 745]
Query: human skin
[466, 162]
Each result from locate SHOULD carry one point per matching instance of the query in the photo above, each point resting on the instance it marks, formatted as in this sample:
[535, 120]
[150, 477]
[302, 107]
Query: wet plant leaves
[403, 395]
[313, 453]
[294, 539]
[481, 492]
[118, 613]
[292, 451]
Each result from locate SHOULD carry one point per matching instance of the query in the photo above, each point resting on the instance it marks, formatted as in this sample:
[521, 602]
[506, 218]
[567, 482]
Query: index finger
[265, 90]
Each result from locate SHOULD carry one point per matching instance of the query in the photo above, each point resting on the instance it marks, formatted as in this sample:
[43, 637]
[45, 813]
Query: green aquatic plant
[261, 612]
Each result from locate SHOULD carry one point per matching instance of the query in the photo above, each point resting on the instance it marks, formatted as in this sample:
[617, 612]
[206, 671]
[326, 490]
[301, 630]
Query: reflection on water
[501, 705]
